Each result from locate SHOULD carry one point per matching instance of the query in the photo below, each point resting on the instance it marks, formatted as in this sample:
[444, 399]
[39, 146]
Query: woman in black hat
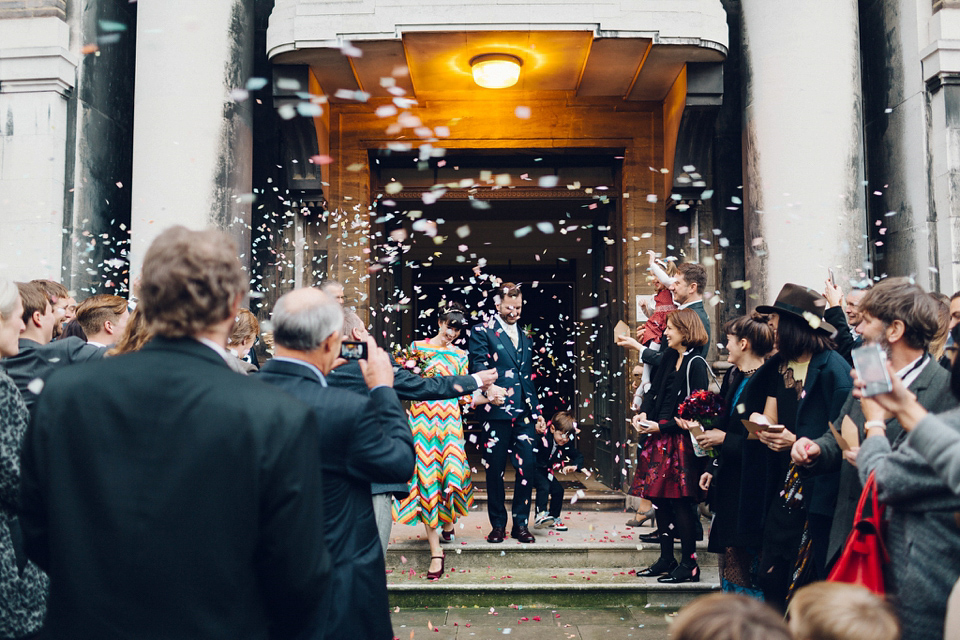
[805, 384]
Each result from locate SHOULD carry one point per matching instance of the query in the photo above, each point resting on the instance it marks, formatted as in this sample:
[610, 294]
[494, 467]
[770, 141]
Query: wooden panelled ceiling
[431, 65]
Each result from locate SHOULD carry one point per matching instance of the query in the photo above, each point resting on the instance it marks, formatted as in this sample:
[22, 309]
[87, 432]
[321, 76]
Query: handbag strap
[875, 519]
[713, 377]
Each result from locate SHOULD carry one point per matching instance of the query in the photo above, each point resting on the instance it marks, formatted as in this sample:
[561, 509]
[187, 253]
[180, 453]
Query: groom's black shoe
[520, 533]
[497, 534]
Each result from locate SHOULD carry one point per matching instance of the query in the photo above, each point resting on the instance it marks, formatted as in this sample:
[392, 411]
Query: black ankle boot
[662, 567]
[683, 573]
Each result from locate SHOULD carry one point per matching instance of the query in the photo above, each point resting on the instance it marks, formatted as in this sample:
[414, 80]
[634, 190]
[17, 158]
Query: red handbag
[864, 555]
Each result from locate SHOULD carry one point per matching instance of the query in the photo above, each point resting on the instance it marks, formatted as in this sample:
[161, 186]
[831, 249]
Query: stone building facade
[347, 139]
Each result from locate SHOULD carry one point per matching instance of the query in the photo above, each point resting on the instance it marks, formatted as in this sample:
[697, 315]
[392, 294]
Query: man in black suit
[362, 440]
[409, 386]
[687, 291]
[510, 426]
[38, 356]
[165, 495]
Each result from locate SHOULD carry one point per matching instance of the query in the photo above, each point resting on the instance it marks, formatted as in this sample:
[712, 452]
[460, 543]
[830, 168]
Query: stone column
[804, 202]
[37, 74]
[192, 141]
[941, 76]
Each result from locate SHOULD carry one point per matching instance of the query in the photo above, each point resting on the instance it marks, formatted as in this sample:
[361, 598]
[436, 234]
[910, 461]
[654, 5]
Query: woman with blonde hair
[134, 335]
[23, 585]
[246, 328]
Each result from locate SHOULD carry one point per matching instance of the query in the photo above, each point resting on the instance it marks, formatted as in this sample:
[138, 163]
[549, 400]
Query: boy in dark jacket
[555, 453]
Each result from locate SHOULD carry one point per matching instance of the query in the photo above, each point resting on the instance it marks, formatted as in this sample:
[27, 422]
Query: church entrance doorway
[559, 242]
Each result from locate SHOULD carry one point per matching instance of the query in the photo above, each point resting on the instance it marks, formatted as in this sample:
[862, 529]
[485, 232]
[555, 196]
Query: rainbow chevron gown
[440, 490]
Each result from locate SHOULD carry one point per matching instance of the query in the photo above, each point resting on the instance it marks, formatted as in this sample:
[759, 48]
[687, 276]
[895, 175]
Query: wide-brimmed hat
[803, 303]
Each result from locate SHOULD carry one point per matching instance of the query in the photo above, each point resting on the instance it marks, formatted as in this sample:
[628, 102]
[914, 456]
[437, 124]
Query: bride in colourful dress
[440, 490]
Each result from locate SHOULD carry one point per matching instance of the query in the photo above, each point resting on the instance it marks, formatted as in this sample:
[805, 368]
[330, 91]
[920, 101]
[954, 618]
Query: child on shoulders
[664, 275]
[556, 453]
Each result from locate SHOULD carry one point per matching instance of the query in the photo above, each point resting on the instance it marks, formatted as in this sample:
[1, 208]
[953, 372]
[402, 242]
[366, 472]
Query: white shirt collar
[912, 371]
[216, 347]
[319, 374]
[687, 304]
[97, 344]
[511, 329]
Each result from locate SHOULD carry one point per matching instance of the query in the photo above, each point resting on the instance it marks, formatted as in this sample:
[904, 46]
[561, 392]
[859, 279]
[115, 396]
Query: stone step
[499, 586]
[591, 499]
[607, 555]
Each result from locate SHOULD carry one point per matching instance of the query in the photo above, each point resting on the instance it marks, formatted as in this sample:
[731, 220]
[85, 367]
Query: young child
[840, 611]
[555, 453]
[663, 305]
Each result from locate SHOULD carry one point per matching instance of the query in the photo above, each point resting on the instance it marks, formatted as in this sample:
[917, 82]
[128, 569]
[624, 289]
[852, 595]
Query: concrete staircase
[593, 564]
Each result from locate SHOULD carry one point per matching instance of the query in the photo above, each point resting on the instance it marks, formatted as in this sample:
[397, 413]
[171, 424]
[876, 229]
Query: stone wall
[14, 9]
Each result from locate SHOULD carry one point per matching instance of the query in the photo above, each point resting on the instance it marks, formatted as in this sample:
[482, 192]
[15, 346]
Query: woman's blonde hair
[134, 336]
[245, 326]
[9, 294]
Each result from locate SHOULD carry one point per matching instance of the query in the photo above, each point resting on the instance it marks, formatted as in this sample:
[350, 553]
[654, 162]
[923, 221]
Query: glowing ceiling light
[496, 70]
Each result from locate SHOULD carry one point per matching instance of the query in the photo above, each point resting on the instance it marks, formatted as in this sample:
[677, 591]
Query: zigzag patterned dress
[440, 490]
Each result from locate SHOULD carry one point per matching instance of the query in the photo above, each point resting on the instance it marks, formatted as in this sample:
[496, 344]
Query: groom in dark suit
[511, 426]
[362, 440]
[165, 495]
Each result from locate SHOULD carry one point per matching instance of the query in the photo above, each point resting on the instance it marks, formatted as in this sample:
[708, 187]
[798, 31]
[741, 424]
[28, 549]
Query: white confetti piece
[548, 182]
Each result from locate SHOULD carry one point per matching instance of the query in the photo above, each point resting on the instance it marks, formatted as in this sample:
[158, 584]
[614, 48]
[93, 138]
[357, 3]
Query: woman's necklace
[749, 372]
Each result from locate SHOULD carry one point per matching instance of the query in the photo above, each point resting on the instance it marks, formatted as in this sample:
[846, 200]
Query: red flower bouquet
[705, 407]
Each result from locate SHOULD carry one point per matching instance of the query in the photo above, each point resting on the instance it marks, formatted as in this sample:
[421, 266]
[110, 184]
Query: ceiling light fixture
[496, 70]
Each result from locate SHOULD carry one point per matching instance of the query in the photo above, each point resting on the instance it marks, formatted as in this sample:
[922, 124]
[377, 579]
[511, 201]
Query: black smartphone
[870, 361]
[353, 350]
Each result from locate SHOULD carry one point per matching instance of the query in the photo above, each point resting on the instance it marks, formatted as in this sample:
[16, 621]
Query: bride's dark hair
[453, 314]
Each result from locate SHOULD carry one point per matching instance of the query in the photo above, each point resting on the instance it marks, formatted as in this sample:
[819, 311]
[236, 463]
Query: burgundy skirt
[667, 468]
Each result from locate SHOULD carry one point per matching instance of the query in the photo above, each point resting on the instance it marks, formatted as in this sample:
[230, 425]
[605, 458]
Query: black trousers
[511, 439]
[548, 486]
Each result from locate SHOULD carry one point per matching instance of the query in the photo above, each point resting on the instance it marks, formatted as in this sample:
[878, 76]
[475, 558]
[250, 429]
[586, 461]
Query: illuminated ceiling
[574, 63]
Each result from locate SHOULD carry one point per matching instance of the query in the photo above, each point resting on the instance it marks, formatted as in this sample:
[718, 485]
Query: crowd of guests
[150, 464]
[781, 484]
[141, 475]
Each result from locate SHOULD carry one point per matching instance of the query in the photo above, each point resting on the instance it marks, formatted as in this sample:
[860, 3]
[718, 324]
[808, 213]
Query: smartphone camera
[870, 361]
[353, 350]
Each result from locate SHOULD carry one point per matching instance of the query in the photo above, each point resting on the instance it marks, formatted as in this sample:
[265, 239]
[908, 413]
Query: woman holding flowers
[668, 471]
[749, 342]
[440, 490]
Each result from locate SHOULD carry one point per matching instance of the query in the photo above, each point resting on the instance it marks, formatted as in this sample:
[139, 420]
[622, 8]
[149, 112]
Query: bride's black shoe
[683, 573]
[662, 567]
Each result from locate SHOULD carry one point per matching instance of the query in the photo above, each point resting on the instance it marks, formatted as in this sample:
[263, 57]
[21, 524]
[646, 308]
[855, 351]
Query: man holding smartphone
[901, 319]
[363, 439]
[409, 386]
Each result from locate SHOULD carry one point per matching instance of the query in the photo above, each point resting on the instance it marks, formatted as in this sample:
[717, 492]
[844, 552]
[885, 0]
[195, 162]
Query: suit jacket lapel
[923, 379]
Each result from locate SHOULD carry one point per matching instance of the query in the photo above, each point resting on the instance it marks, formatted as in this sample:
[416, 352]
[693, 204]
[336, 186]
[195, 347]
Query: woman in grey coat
[23, 587]
[923, 536]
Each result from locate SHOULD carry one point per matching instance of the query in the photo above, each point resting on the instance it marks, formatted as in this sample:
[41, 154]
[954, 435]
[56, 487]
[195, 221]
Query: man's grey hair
[304, 328]
[329, 283]
[9, 295]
